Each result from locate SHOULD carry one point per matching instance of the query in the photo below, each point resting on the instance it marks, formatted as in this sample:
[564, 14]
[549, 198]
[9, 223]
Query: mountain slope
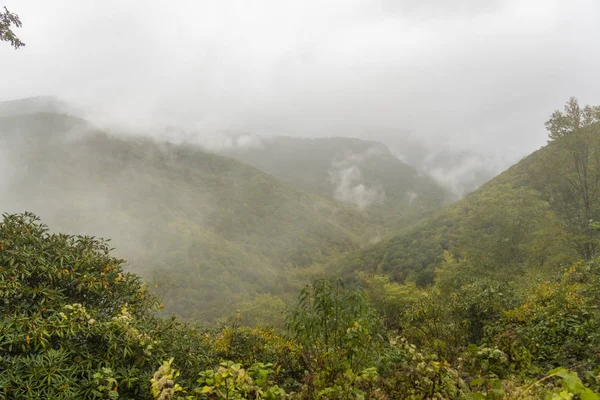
[529, 217]
[355, 171]
[221, 230]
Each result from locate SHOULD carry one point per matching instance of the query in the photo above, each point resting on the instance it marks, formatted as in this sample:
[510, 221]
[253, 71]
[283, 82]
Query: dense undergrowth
[74, 325]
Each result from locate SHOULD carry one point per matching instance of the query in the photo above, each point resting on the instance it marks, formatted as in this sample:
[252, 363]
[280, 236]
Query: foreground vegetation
[75, 325]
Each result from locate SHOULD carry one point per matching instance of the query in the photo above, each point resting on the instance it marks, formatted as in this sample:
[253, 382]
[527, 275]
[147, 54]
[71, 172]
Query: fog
[479, 75]
[346, 176]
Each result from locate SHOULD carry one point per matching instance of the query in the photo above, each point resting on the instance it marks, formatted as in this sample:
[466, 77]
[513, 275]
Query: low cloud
[486, 74]
[349, 185]
[411, 196]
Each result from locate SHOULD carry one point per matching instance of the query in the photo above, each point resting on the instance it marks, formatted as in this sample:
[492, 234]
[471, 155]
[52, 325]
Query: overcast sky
[480, 73]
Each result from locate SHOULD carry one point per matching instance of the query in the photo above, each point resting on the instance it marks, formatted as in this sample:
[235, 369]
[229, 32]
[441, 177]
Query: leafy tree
[572, 119]
[571, 172]
[339, 334]
[331, 318]
[73, 323]
[7, 21]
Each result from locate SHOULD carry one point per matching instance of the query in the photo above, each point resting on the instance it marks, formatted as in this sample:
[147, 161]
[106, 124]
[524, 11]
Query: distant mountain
[209, 230]
[30, 105]
[360, 172]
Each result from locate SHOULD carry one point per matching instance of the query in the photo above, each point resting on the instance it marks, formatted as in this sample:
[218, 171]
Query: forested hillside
[355, 171]
[210, 231]
[535, 215]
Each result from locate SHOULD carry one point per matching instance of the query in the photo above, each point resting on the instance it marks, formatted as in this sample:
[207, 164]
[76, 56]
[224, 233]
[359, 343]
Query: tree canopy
[572, 119]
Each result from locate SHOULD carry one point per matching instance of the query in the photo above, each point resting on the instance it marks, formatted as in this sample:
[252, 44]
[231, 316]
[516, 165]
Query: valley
[299, 200]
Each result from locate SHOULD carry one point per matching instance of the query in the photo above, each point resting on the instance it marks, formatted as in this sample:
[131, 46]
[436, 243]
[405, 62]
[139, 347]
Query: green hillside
[535, 215]
[209, 230]
[356, 171]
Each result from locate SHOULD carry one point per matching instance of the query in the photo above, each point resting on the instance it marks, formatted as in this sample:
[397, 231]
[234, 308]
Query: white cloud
[349, 185]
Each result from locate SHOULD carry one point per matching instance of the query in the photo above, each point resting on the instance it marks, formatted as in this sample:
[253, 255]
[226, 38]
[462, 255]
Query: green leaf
[477, 381]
